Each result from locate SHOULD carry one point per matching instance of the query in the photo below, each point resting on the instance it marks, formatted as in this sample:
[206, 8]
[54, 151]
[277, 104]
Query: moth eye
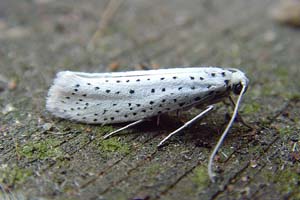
[237, 88]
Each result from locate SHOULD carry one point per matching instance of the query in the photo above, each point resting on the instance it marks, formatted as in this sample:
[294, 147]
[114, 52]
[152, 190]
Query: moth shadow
[151, 126]
[163, 124]
[202, 133]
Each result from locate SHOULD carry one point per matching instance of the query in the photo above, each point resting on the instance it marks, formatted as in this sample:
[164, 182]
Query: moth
[135, 96]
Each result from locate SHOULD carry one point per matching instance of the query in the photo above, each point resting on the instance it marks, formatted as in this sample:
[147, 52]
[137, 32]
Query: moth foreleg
[123, 128]
[209, 108]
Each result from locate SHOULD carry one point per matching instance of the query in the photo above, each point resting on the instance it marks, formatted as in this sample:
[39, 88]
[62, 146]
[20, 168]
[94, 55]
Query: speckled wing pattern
[106, 98]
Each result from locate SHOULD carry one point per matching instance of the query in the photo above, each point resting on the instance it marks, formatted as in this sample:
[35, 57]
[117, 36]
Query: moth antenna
[217, 147]
[240, 118]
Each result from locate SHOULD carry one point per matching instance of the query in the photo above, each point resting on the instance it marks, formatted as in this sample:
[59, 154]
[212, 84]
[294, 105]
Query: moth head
[238, 81]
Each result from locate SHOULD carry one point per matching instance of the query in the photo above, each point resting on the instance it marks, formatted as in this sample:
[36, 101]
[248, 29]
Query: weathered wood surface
[46, 158]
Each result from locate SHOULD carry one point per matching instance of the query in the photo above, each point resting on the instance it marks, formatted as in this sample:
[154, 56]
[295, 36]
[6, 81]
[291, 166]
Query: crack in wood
[139, 164]
[100, 174]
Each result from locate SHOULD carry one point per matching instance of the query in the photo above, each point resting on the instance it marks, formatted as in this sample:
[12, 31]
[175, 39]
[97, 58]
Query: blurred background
[45, 157]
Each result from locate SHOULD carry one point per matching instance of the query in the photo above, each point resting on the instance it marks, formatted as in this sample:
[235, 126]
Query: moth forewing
[129, 96]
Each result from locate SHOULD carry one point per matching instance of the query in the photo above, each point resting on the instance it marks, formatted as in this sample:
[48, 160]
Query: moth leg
[158, 120]
[123, 128]
[239, 117]
[178, 113]
[209, 108]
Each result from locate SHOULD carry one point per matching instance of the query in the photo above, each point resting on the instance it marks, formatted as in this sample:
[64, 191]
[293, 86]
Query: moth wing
[188, 70]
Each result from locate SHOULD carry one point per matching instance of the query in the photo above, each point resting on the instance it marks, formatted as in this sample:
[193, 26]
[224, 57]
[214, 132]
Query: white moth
[107, 98]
